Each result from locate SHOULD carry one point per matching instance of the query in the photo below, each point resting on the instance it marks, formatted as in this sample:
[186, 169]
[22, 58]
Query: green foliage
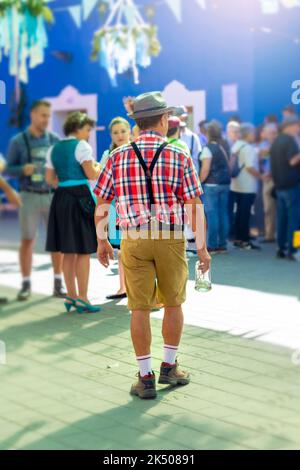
[34, 7]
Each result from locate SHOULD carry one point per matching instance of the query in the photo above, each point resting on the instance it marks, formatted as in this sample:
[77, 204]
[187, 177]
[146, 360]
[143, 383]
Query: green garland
[149, 30]
[34, 7]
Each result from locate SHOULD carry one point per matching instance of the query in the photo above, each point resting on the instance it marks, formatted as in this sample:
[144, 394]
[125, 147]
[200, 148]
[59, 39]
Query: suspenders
[149, 171]
[149, 174]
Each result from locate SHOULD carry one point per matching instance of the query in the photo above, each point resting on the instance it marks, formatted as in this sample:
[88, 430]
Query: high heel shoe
[84, 307]
[70, 303]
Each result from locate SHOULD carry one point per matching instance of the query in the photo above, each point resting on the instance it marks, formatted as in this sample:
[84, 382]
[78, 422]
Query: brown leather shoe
[172, 375]
[144, 387]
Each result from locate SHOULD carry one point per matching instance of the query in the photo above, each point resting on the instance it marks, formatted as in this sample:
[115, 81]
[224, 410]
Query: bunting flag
[202, 4]
[272, 7]
[76, 14]
[176, 7]
[88, 6]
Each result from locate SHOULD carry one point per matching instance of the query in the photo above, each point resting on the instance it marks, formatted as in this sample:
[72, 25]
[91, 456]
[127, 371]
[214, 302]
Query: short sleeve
[206, 154]
[104, 188]
[191, 183]
[84, 152]
[49, 163]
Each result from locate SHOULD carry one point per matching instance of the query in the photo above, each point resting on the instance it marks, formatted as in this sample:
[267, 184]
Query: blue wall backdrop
[220, 45]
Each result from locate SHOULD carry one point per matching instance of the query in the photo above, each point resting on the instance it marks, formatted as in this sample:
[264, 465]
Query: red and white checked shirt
[175, 181]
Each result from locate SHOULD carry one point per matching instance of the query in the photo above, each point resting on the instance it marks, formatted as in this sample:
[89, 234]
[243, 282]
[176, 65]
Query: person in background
[135, 132]
[244, 187]
[193, 142]
[189, 137]
[235, 118]
[120, 133]
[70, 164]
[215, 177]
[174, 133]
[232, 135]
[285, 169]
[233, 129]
[203, 133]
[268, 136]
[271, 119]
[26, 159]
[12, 197]
[2, 163]
[288, 111]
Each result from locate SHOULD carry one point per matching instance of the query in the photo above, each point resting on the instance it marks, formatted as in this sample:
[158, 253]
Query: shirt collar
[33, 136]
[145, 134]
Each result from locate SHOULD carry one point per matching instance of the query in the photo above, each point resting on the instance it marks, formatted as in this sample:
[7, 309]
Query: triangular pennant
[75, 12]
[270, 7]
[88, 6]
[202, 4]
[176, 7]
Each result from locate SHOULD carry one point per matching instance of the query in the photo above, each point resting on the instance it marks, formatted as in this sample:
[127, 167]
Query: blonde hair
[115, 122]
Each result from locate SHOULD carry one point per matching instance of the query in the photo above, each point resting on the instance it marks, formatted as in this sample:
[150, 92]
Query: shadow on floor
[255, 270]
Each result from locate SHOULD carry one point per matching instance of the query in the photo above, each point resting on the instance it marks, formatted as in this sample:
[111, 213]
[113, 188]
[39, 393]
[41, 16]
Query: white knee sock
[145, 365]
[170, 354]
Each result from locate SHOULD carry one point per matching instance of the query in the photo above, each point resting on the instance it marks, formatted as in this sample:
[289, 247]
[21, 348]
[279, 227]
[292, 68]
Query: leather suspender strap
[149, 171]
[27, 147]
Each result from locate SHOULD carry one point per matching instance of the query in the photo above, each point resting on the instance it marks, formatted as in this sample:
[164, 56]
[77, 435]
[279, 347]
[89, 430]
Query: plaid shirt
[175, 181]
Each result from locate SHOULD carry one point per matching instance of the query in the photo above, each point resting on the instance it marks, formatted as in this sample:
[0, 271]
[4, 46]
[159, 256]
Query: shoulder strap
[149, 171]
[27, 146]
[240, 149]
[192, 144]
[226, 156]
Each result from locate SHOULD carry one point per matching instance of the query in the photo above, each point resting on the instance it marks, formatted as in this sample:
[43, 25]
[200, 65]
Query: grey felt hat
[181, 111]
[150, 104]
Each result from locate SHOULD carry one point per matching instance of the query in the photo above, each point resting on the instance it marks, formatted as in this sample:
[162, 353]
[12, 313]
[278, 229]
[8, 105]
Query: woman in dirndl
[120, 135]
[71, 229]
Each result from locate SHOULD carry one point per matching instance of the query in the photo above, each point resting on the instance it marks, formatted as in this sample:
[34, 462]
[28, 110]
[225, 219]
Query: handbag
[235, 168]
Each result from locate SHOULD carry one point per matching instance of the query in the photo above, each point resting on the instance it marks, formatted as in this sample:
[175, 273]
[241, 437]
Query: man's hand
[205, 260]
[128, 102]
[266, 178]
[28, 169]
[105, 252]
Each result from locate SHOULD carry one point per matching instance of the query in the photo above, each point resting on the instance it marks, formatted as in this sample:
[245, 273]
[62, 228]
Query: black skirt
[71, 227]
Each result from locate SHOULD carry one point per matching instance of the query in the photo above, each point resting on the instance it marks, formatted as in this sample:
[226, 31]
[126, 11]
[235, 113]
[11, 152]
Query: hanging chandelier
[23, 36]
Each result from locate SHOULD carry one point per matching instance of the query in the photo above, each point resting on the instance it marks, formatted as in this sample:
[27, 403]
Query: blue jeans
[216, 209]
[288, 202]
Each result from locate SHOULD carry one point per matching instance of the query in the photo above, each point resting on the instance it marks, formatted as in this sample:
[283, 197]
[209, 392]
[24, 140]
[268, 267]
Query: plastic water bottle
[203, 281]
